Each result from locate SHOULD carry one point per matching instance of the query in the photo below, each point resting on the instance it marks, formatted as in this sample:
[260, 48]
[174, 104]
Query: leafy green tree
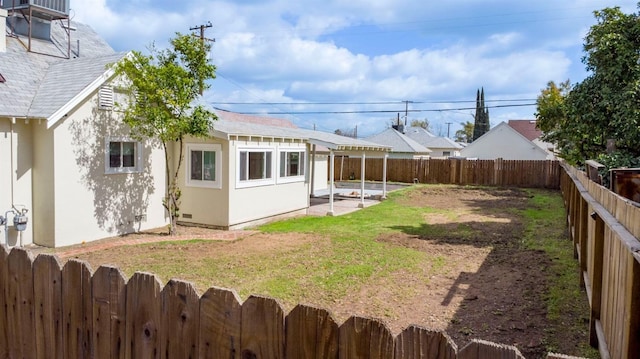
[465, 134]
[163, 88]
[606, 105]
[551, 117]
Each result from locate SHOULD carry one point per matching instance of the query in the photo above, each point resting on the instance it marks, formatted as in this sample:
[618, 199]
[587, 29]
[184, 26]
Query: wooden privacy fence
[605, 228]
[544, 174]
[49, 311]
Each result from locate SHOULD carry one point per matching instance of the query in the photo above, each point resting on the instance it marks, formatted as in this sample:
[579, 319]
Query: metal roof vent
[41, 8]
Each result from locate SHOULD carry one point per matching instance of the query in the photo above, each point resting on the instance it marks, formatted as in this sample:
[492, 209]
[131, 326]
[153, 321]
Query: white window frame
[281, 165]
[255, 182]
[107, 156]
[205, 147]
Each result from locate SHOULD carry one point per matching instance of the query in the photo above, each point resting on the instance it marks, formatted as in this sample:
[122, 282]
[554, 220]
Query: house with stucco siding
[72, 173]
[69, 163]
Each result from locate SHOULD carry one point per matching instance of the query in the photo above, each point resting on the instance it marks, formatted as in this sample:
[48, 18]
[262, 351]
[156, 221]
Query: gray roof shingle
[40, 82]
[246, 125]
[427, 139]
[398, 142]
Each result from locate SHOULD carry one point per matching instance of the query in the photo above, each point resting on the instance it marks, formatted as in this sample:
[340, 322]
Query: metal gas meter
[20, 221]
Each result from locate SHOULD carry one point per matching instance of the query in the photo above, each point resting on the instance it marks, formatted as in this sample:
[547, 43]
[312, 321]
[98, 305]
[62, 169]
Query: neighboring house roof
[526, 128]
[398, 142]
[502, 141]
[40, 82]
[230, 125]
[262, 120]
[429, 140]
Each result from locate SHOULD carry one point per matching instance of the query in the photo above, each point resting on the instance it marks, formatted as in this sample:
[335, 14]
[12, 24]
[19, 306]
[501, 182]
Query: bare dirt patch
[479, 281]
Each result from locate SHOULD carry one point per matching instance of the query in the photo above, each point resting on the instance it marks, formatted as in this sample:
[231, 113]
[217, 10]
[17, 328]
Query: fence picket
[108, 288]
[417, 342]
[365, 338]
[19, 304]
[262, 328]
[76, 308]
[143, 324]
[220, 324]
[311, 333]
[47, 296]
[180, 320]
[4, 352]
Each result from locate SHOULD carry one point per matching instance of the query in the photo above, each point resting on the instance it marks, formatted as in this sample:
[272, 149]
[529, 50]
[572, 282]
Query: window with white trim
[255, 167]
[204, 163]
[292, 163]
[122, 155]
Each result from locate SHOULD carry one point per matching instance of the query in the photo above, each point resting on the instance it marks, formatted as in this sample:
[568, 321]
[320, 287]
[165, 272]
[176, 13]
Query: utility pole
[448, 127]
[406, 111]
[203, 39]
[202, 28]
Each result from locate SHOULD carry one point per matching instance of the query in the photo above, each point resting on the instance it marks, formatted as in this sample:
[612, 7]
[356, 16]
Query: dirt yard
[486, 285]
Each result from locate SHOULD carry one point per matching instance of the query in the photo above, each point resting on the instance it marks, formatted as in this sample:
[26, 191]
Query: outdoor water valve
[20, 222]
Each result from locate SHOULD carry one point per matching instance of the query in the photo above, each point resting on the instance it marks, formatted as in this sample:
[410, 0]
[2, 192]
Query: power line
[357, 103]
[369, 111]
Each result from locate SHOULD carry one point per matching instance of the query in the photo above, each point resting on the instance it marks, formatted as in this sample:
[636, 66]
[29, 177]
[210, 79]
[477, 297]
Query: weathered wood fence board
[47, 293]
[71, 312]
[543, 174]
[604, 230]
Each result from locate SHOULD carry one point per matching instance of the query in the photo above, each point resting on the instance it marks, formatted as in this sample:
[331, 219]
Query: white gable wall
[88, 203]
[503, 142]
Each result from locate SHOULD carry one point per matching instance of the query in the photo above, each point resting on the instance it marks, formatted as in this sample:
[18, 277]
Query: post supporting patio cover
[384, 176]
[332, 159]
[362, 176]
[312, 162]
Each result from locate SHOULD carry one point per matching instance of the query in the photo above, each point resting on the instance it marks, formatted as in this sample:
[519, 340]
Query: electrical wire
[370, 111]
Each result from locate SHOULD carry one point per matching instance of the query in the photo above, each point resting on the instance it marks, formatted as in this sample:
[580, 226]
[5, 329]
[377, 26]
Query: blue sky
[354, 63]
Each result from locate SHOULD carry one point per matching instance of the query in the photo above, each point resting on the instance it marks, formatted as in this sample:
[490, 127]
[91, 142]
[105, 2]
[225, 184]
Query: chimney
[3, 30]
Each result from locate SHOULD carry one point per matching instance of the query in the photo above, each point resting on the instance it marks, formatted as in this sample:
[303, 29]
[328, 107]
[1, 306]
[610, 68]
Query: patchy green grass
[567, 305]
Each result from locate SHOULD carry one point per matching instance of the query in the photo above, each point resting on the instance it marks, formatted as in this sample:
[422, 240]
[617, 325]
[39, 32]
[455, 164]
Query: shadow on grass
[504, 300]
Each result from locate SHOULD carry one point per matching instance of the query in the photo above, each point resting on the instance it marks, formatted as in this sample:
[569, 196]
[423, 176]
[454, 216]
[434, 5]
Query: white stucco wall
[503, 142]
[321, 173]
[205, 206]
[235, 205]
[90, 204]
[16, 177]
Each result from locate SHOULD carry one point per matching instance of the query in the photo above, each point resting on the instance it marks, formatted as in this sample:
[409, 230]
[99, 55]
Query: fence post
[3, 289]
